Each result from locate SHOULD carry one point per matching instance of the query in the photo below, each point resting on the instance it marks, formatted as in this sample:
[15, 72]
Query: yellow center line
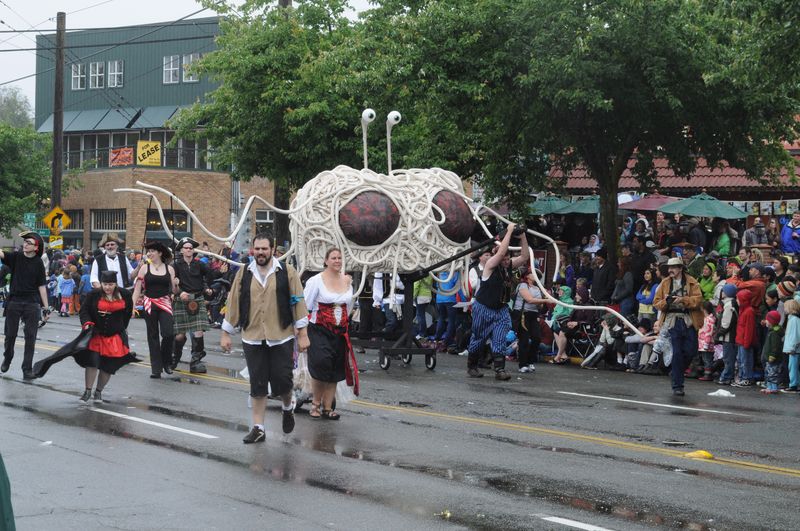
[613, 443]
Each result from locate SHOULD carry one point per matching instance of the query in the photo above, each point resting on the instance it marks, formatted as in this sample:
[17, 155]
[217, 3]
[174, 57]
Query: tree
[14, 108]
[269, 117]
[24, 173]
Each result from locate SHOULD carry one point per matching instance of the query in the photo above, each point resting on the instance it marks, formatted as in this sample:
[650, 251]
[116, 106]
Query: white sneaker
[464, 352]
[524, 369]
[531, 368]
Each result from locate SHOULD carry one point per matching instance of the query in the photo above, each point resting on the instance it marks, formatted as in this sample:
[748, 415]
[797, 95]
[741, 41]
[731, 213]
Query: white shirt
[253, 267]
[113, 265]
[316, 292]
[379, 297]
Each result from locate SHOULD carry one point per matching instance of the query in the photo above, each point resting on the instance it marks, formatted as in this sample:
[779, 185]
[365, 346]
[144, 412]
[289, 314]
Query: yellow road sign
[56, 242]
[56, 220]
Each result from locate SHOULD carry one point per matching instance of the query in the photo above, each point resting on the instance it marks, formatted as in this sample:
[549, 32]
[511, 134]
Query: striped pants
[488, 323]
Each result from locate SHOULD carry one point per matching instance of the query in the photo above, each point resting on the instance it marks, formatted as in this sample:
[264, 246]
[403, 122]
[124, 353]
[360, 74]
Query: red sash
[327, 317]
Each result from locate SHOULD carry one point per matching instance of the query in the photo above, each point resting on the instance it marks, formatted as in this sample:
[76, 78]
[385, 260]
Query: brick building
[121, 86]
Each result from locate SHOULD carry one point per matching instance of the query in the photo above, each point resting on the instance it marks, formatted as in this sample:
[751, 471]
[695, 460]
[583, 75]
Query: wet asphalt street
[563, 448]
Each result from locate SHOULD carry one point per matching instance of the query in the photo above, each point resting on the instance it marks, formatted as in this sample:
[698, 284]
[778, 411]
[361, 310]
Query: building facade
[121, 86]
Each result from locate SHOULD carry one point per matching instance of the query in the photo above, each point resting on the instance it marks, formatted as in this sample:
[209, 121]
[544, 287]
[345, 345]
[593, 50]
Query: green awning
[117, 119]
[47, 125]
[86, 120]
[154, 117]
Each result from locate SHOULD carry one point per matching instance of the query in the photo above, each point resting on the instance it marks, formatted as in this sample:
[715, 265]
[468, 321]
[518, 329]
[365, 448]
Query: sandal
[329, 414]
[314, 413]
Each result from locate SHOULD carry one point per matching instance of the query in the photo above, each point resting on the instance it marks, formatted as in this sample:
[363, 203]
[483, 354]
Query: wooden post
[58, 113]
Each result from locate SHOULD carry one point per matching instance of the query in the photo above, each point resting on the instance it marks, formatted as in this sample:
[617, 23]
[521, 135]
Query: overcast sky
[41, 15]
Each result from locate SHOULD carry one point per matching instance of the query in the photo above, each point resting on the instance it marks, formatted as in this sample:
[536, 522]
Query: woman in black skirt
[107, 311]
[329, 297]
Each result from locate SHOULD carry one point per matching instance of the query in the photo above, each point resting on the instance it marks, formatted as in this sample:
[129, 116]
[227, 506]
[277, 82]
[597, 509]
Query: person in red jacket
[745, 338]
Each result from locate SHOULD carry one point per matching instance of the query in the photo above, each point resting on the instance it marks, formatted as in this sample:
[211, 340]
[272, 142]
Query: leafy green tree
[24, 173]
[15, 110]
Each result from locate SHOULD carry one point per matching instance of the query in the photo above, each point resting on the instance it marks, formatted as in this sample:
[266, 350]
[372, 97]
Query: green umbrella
[586, 205]
[547, 205]
[703, 205]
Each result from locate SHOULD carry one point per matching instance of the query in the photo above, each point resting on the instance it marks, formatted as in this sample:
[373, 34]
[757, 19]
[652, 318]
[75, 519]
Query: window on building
[118, 140]
[73, 152]
[97, 75]
[172, 65]
[78, 77]
[188, 157]
[102, 150]
[115, 70]
[76, 219]
[89, 148]
[177, 220]
[264, 220]
[170, 153]
[108, 220]
[188, 59]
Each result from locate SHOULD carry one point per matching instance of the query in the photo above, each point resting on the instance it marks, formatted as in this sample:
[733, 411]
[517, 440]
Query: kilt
[190, 323]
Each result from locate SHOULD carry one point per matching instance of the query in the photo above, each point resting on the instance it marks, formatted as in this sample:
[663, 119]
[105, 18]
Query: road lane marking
[573, 523]
[732, 463]
[658, 404]
[152, 423]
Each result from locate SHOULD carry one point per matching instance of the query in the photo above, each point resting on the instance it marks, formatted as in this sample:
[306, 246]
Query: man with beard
[110, 259]
[26, 298]
[189, 307]
[266, 301]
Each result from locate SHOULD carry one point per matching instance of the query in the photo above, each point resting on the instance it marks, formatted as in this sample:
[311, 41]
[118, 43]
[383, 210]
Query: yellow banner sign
[56, 220]
[148, 153]
[56, 242]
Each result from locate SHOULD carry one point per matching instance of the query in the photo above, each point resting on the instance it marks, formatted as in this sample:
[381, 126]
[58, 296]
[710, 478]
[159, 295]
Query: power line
[38, 48]
[107, 29]
[107, 49]
[89, 7]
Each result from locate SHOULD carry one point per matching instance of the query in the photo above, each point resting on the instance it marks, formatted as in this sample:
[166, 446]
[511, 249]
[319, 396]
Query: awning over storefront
[86, 120]
[154, 117]
[47, 125]
[117, 119]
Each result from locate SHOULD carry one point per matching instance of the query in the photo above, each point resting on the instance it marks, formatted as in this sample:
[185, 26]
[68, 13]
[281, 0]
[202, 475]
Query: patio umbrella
[586, 205]
[649, 203]
[547, 205]
[703, 205]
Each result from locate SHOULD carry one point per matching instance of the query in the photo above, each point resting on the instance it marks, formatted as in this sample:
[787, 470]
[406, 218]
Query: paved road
[559, 449]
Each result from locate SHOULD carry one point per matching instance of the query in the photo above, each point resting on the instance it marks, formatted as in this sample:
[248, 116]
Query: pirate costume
[100, 344]
[24, 301]
[157, 291]
[190, 316]
[330, 354]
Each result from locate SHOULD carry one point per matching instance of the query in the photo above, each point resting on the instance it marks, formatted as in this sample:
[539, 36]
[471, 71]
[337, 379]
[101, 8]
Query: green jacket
[773, 345]
[423, 288]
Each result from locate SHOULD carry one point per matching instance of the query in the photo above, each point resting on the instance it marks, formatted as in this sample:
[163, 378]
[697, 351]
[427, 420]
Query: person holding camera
[27, 299]
[679, 300]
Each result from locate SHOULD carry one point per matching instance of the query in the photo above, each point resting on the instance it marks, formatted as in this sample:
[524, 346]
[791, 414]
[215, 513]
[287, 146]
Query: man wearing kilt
[189, 308]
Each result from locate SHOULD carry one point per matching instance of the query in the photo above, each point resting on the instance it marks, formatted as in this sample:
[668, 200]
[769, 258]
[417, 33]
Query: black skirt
[326, 354]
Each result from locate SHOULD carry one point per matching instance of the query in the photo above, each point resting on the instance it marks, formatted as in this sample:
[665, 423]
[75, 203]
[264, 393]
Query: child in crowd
[637, 356]
[745, 338]
[646, 295]
[773, 353]
[510, 350]
[725, 333]
[67, 287]
[52, 286]
[791, 343]
[706, 342]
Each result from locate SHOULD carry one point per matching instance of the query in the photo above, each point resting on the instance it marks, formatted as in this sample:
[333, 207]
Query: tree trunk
[282, 197]
[609, 187]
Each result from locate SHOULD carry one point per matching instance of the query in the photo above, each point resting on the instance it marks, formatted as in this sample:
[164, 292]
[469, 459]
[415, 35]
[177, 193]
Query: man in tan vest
[266, 302]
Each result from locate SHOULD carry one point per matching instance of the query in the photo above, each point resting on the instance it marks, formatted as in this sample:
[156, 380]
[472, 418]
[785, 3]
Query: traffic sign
[56, 242]
[56, 220]
[29, 219]
[44, 233]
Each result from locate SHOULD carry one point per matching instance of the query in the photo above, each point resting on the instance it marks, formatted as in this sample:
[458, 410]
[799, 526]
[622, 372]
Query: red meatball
[368, 219]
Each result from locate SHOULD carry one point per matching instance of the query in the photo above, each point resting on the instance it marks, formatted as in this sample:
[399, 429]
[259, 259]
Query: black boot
[499, 362]
[167, 344]
[177, 353]
[196, 365]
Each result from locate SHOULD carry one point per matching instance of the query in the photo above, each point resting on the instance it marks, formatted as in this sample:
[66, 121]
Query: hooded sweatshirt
[562, 312]
[707, 284]
[746, 325]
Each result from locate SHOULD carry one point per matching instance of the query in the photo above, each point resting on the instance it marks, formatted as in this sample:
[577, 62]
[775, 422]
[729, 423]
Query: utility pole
[58, 112]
